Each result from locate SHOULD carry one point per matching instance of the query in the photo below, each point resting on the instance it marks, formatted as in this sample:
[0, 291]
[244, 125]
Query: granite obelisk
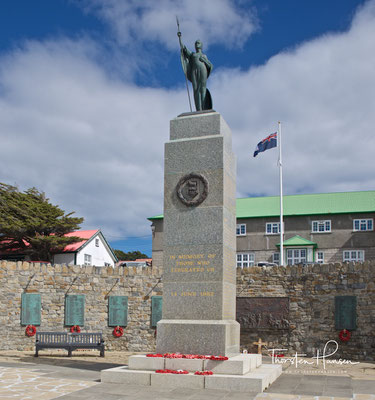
[199, 276]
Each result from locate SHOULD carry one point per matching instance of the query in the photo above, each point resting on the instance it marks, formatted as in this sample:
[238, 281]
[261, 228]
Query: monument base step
[256, 380]
[237, 365]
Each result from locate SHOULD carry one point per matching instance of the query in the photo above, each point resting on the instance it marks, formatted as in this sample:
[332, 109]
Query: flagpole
[281, 200]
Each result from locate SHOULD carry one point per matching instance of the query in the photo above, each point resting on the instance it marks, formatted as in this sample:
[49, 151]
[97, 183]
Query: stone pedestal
[241, 373]
[199, 276]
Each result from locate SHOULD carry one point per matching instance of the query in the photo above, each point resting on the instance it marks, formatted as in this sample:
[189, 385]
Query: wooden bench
[69, 341]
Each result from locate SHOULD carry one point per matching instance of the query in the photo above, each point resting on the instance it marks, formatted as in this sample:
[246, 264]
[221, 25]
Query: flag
[268, 143]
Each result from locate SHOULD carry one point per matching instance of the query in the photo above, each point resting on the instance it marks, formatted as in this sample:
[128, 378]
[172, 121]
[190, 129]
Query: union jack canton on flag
[268, 143]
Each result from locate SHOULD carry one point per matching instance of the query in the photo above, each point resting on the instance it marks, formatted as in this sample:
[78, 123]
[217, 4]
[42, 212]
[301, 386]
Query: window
[363, 224]
[97, 242]
[241, 229]
[296, 256]
[245, 259]
[276, 258]
[354, 255]
[88, 259]
[321, 226]
[320, 257]
[272, 228]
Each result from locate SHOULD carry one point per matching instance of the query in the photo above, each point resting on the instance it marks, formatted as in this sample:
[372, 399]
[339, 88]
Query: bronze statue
[197, 69]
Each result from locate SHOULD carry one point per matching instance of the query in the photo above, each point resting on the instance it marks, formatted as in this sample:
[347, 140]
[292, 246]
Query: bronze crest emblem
[192, 189]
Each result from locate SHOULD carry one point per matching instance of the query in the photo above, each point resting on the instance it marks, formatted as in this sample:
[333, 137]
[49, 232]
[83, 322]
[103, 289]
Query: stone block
[173, 381]
[194, 155]
[236, 383]
[141, 362]
[194, 300]
[255, 381]
[258, 359]
[198, 125]
[237, 365]
[200, 228]
[184, 363]
[215, 337]
[274, 371]
[125, 376]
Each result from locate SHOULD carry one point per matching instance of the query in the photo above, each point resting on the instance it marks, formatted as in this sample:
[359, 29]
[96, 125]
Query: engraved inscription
[192, 262]
[192, 189]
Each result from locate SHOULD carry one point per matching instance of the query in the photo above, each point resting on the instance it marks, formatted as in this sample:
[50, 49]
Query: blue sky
[87, 89]
[279, 25]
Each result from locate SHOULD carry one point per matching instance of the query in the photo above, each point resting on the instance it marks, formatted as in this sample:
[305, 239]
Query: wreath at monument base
[218, 358]
[189, 356]
[345, 335]
[203, 373]
[172, 371]
[75, 329]
[30, 330]
[173, 355]
[118, 331]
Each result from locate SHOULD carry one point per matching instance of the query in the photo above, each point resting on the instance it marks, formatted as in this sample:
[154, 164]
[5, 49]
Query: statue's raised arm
[197, 69]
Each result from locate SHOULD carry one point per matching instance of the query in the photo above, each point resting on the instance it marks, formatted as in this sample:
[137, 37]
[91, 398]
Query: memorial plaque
[156, 307]
[75, 309]
[346, 312]
[117, 310]
[263, 312]
[31, 305]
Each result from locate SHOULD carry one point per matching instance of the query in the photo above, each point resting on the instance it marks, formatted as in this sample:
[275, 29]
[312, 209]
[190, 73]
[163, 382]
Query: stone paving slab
[28, 383]
[363, 386]
[86, 370]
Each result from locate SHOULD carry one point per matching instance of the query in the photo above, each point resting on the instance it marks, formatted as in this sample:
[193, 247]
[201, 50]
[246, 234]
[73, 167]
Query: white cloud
[95, 144]
[324, 94]
[133, 22]
[92, 144]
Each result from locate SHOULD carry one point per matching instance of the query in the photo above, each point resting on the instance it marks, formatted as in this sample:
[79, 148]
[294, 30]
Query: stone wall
[311, 291]
[96, 283]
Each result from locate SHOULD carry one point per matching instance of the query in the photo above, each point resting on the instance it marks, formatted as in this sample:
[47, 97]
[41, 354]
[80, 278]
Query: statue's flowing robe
[189, 71]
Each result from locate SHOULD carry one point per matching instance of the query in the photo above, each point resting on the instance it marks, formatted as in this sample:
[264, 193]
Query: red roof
[85, 235]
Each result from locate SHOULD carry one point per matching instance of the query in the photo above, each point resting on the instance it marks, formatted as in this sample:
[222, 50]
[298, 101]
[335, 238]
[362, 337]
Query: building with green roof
[321, 228]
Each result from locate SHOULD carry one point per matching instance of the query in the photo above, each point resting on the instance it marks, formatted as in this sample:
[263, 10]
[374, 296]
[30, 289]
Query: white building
[93, 249]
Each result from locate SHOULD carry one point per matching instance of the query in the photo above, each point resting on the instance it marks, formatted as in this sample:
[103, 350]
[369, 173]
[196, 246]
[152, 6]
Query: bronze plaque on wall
[346, 312]
[75, 309]
[117, 310]
[263, 312]
[156, 310]
[31, 305]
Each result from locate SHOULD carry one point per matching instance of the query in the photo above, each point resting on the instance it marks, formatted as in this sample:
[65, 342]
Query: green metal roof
[161, 216]
[297, 241]
[304, 204]
[307, 204]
